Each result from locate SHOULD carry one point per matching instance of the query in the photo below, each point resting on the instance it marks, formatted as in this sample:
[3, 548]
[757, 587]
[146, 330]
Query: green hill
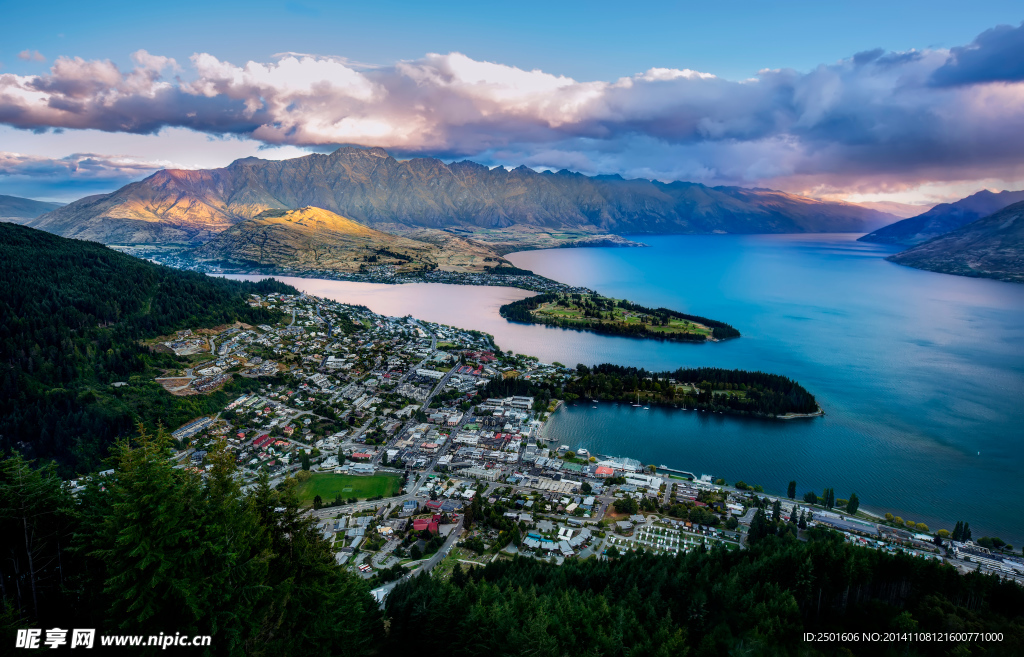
[72, 315]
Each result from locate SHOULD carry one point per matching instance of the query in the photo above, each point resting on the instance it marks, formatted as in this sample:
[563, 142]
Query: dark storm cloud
[997, 55]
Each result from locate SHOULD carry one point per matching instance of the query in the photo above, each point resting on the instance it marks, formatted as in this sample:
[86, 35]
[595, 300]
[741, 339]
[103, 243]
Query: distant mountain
[14, 209]
[313, 238]
[900, 210]
[943, 218]
[992, 247]
[373, 188]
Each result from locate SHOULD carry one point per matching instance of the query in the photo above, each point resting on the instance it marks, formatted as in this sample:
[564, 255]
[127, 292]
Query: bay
[921, 375]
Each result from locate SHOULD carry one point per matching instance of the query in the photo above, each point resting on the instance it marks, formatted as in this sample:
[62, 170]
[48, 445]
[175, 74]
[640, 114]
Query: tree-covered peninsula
[737, 392]
[600, 314]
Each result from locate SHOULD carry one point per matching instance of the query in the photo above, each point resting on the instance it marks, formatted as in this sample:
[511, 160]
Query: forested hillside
[155, 549]
[72, 315]
[757, 601]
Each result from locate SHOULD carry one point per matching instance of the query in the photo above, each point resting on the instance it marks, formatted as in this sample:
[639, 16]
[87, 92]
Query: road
[424, 566]
[320, 315]
[410, 423]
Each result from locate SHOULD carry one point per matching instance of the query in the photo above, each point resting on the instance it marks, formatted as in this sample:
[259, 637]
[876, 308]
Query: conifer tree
[853, 504]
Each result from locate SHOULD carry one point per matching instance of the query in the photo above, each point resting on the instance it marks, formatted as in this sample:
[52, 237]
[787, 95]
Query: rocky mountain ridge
[373, 188]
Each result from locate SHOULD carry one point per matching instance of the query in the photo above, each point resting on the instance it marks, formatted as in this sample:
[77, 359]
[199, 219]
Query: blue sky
[584, 40]
[822, 147]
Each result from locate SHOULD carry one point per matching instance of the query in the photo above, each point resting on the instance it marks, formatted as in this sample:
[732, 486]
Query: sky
[914, 102]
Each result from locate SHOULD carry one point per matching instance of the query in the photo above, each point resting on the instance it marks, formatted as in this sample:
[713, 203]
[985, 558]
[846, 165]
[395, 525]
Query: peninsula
[600, 314]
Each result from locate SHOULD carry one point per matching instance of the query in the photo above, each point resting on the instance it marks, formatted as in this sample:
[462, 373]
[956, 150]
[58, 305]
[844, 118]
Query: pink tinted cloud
[873, 119]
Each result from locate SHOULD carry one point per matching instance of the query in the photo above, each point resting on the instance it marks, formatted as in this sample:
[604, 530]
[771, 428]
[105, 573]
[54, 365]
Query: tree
[803, 521]
[791, 490]
[415, 553]
[776, 511]
[318, 502]
[853, 504]
[586, 488]
[304, 456]
[958, 530]
[759, 527]
[652, 468]
[626, 505]
[732, 523]
[811, 497]
[967, 532]
[35, 519]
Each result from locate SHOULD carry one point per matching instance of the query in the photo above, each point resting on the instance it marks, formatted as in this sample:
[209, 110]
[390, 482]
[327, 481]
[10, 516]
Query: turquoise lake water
[921, 375]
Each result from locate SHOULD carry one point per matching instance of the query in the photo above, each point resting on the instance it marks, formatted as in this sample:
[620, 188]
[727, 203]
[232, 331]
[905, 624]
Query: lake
[921, 375]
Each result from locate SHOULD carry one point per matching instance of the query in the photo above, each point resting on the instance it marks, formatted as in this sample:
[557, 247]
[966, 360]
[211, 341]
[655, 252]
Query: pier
[665, 468]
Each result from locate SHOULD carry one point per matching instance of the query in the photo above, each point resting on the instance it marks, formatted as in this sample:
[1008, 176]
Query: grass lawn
[328, 486]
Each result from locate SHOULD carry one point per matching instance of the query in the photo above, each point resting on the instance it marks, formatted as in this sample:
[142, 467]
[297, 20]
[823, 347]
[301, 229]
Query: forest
[72, 318]
[756, 601]
[598, 307]
[151, 549]
[727, 391]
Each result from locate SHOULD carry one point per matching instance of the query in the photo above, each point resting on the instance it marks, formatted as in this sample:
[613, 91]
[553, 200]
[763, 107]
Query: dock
[665, 468]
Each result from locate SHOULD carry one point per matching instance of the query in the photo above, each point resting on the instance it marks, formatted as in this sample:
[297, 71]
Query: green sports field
[328, 486]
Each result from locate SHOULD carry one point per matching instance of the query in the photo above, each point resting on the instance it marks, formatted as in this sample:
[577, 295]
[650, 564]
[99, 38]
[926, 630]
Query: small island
[600, 314]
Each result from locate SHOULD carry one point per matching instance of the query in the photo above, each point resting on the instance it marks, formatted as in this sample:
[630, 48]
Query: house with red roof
[422, 523]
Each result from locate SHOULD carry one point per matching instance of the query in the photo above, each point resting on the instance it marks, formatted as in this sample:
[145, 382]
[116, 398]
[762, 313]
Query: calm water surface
[921, 374]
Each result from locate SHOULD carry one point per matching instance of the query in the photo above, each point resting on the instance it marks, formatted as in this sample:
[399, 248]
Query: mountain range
[991, 247]
[943, 218]
[373, 188]
[14, 209]
[318, 239]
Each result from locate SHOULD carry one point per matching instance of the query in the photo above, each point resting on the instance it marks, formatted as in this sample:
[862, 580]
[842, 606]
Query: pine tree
[853, 504]
[803, 521]
[776, 511]
[791, 490]
[967, 532]
[758, 527]
[958, 531]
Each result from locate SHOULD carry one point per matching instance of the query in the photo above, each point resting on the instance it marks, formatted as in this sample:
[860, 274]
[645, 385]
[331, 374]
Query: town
[385, 427]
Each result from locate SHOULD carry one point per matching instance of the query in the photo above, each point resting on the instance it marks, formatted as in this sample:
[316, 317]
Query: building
[192, 428]
[421, 524]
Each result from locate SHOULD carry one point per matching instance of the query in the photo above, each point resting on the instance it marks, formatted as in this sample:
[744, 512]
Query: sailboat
[637, 404]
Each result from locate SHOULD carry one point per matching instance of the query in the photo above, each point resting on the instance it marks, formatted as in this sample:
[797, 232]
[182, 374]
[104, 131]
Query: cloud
[70, 177]
[82, 165]
[996, 55]
[31, 56]
[873, 121]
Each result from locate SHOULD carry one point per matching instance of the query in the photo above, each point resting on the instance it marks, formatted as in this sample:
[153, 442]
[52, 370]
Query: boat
[647, 408]
[637, 404]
